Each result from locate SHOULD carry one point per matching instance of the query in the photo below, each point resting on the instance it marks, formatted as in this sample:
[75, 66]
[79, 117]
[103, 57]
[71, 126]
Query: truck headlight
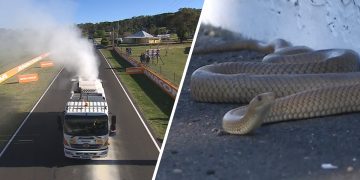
[106, 142]
[65, 142]
[99, 141]
[72, 141]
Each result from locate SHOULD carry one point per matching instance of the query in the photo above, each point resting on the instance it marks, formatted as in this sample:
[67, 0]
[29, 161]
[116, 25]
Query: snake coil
[292, 82]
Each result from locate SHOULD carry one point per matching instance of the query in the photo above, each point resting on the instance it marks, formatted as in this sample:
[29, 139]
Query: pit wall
[168, 87]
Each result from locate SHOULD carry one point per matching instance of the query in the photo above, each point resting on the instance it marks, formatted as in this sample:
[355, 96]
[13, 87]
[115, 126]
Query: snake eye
[259, 98]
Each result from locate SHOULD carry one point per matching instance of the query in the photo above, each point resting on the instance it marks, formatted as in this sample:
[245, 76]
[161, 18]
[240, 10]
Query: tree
[104, 42]
[183, 23]
[162, 30]
[152, 29]
[99, 34]
[182, 33]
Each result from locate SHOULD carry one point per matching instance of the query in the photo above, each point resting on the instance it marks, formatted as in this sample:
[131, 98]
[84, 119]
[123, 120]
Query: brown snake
[292, 82]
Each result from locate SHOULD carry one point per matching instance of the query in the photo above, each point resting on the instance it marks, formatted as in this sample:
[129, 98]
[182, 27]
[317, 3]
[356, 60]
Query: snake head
[245, 119]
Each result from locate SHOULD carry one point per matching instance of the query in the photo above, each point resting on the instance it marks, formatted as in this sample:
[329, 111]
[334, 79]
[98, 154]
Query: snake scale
[291, 82]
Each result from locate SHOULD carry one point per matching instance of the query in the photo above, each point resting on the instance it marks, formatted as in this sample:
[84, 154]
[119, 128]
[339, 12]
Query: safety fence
[159, 80]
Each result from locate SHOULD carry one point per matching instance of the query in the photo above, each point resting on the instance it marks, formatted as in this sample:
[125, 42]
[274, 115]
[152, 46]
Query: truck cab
[86, 122]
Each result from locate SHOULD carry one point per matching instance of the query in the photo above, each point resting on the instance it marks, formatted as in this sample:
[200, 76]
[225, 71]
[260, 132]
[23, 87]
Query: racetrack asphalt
[36, 152]
[318, 148]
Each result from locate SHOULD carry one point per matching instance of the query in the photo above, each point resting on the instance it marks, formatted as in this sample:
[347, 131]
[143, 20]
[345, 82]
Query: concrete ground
[318, 148]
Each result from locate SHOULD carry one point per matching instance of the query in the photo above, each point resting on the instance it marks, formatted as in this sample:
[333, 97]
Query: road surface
[319, 148]
[36, 152]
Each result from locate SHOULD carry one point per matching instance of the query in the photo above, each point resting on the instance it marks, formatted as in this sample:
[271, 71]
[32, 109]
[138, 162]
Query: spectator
[157, 54]
[142, 58]
[147, 59]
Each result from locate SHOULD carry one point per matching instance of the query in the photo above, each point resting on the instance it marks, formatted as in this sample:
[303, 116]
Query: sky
[321, 24]
[112, 10]
[83, 11]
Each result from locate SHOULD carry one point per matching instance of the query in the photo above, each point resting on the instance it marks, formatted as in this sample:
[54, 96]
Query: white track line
[27, 117]
[137, 112]
[177, 97]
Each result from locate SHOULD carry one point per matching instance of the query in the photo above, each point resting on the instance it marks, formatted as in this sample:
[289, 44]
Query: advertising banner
[45, 64]
[28, 78]
[135, 70]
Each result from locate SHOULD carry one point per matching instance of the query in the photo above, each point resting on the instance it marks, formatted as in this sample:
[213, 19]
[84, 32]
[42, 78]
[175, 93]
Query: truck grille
[86, 146]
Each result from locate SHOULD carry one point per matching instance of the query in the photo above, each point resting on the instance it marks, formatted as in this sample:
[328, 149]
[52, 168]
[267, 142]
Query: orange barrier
[135, 70]
[45, 64]
[28, 78]
[21, 67]
[163, 83]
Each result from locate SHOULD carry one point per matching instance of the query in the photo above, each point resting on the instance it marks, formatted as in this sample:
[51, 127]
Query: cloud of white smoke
[32, 27]
[316, 23]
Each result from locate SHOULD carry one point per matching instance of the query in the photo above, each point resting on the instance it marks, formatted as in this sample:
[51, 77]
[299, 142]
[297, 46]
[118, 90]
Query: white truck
[86, 122]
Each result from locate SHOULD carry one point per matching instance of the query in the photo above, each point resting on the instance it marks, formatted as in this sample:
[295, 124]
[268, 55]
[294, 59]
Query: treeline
[182, 22]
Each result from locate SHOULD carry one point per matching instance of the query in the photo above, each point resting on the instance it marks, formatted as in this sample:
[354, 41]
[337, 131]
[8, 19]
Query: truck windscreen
[86, 125]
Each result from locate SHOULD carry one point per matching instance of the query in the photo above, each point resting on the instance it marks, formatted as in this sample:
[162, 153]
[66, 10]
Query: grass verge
[154, 104]
[174, 59]
[6, 64]
[18, 99]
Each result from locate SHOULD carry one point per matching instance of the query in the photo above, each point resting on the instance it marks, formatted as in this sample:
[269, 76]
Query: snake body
[291, 83]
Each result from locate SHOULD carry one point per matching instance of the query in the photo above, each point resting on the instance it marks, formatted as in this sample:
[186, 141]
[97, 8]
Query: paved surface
[37, 151]
[288, 150]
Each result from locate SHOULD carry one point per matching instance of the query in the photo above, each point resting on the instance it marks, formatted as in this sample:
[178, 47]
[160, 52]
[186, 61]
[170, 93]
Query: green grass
[174, 60]
[98, 40]
[154, 104]
[7, 64]
[18, 99]
[174, 37]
